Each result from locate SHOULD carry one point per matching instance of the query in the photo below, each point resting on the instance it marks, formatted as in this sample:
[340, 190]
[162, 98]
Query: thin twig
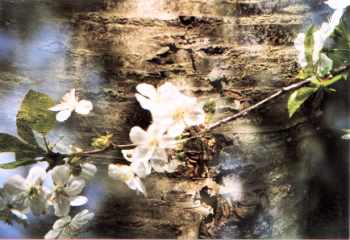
[219, 123]
[273, 96]
[257, 105]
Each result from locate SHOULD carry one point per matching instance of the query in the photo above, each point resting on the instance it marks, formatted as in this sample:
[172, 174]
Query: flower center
[153, 142]
[179, 114]
[33, 192]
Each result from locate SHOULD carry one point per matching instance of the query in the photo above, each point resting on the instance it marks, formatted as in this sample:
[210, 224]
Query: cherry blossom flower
[170, 108]
[150, 145]
[338, 4]
[88, 171]
[327, 28]
[125, 174]
[180, 114]
[299, 44]
[68, 227]
[322, 34]
[14, 204]
[70, 103]
[66, 190]
[31, 189]
[153, 99]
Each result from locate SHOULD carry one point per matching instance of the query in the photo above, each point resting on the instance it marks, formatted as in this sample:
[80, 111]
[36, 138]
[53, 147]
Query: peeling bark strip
[250, 43]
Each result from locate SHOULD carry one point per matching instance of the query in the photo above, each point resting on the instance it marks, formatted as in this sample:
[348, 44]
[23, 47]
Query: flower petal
[15, 185]
[88, 171]
[145, 103]
[61, 205]
[195, 117]
[63, 115]
[81, 219]
[59, 107]
[138, 136]
[60, 175]
[147, 90]
[53, 234]
[75, 187]
[176, 129]
[156, 130]
[60, 223]
[136, 184]
[78, 201]
[19, 214]
[141, 168]
[127, 154]
[168, 91]
[38, 203]
[36, 175]
[84, 107]
[120, 172]
[337, 4]
[70, 96]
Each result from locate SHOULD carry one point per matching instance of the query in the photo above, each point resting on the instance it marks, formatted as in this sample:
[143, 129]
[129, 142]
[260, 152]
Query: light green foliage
[341, 52]
[34, 114]
[25, 153]
[298, 97]
[325, 65]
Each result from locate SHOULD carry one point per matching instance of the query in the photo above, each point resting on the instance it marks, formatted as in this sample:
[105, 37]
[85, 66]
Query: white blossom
[327, 28]
[31, 189]
[322, 34]
[338, 4]
[150, 145]
[88, 171]
[125, 174]
[67, 227]
[15, 204]
[153, 99]
[66, 190]
[299, 44]
[70, 102]
[170, 108]
[180, 114]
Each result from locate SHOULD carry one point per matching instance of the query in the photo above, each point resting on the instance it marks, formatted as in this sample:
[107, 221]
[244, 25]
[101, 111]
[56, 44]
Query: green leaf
[17, 163]
[327, 83]
[325, 65]
[305, 73]
[25, 132]
[298, 97]
[9, 143]
[25, 153]
[309, 45]
[34, 114]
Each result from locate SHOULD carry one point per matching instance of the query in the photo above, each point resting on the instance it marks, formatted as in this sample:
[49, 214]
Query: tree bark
[246, 46]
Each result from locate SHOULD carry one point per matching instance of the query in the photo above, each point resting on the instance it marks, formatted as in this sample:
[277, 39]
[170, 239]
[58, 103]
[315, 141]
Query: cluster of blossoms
[57, 188]
[172, 112]
[320, 38]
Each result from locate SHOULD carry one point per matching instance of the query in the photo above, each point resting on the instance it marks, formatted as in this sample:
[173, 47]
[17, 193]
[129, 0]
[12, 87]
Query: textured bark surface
[114, 45]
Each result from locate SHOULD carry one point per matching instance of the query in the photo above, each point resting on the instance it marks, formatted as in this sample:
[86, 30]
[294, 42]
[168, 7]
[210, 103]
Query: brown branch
[219, 123]
[257, 105]
[273, 96]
